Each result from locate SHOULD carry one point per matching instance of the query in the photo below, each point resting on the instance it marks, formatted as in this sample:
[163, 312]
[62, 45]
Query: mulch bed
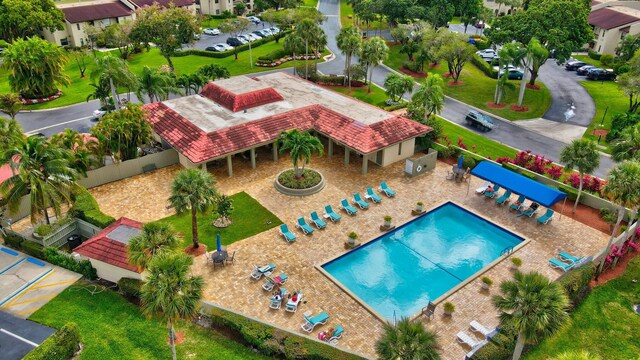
[517, 108]
[600, 132]
[418, 75]
[179, 338]
[612, 273]
[190, 250]
[455, 83]
[584, 214]
[533, 87]
[496, 106]
[433, 66]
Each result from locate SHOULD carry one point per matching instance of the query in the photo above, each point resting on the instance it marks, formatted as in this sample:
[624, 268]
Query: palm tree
[583, 155]
[430, 94]
[532, 306]
[623, 189]
[407, 340]
[627, 147]
[117, 72]
[397, 85]
[319, 40]
[40, 169]
[11, 104]
[170, 292]
[372, 53]
[292, 43]
[11, 134]
[81, 150]
[193, 190]
[308, 31]
[349, 41]
[102, 92]
[155, 238]
[577, 355]
[155, 84]
[301, 145]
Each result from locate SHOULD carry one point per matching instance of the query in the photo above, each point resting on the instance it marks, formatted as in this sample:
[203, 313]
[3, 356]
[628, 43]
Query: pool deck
[144, 198]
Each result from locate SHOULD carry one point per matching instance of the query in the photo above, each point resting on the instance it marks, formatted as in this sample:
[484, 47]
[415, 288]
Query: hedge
[59, 346]
[399, 106]
[576, 283]
[275, 342]
[62, 259]
[33, 248]
[484, 66]
[14, 240]
[594, 55]
[85, 207]
[499, 348]
[130, 288]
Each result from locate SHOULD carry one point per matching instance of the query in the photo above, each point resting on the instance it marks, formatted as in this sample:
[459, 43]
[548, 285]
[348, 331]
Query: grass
[588, 60]
[249, 218]
[603, 324]
[376, 97]
[346, 14]
[310, 3]
[607, 97]
[79, 89]
[118, 330]
[478, 89]
[211, 23]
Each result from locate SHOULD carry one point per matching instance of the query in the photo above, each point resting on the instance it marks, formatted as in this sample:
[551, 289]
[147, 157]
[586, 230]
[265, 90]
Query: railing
[60, 236]
[506, 251]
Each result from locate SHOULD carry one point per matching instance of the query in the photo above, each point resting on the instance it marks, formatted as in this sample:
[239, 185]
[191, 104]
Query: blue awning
[521, 185]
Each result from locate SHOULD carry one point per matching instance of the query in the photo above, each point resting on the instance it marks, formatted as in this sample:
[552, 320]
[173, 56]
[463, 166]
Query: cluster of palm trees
[308, 36]
[370, 52]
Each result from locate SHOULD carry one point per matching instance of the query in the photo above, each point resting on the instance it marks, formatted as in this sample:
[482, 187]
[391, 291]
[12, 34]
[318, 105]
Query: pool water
[401, 271]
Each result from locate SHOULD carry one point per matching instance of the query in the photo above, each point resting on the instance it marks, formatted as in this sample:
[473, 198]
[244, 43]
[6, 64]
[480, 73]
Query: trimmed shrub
[499, 348]
[33, 248]
[301, 69]
[326, 79]
[85, 207]
[412, 65]
[510, 166]
[594, 55]
[401, 105]
[468, 162]
[62, 259]
[130, 287]
[59, 346]
[576, 283]
[274, 55]
[14, 240]
[310, 178]
[606, 59]
[484, 66]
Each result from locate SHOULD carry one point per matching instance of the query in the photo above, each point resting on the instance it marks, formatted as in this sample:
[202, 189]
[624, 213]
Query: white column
[330, 148]
[229, 166]
[346, 155]
[365, 164]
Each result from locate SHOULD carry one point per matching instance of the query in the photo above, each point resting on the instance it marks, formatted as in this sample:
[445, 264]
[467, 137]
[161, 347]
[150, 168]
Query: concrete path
[18, 337]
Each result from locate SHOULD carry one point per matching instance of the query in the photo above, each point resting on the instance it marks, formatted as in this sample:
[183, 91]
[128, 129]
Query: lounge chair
[270, 283]
[312, 322]
[357, 200]
[548, 216]
[479, 328]
[472, 342]
[482, 188]
[329, 213]
[518, 204]
[386, 190]
[302, 225]
[338, 331]
[530, 211]
[344, 205]
[372, 196]
[492, 194]
[315, 219]
[557, 264]
[276, 301]
[292, 303]
[504, 198]
[288, 235]
[569, 258]
[262, 270]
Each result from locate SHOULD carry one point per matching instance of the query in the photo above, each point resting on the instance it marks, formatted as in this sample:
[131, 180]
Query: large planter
[299, 192]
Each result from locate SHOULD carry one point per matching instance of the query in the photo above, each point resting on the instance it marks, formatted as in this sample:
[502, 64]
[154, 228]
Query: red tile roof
[609, 19]
[199, 146]
[238, 102]
[78, 14]
[163, 3]
[101, 247]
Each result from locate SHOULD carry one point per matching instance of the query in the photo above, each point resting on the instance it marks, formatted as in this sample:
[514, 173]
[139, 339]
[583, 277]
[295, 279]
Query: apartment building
[611, 22]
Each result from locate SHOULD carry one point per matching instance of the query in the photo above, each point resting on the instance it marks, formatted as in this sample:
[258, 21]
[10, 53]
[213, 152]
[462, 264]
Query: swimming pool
[401, 271]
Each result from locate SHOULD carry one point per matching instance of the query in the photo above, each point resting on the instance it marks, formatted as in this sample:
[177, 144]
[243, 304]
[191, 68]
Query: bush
[484, 66]
[499, 348]
[400, 105]
[85, 207]
[130, 287]
[606, 59]
[225, 15]
[326, 79]
[59, 346]
[481, 43]
[301, 70]
[14, 240]
[412, 66]
[576, 283]
[468, 162]
[572, 194]
[33, 248]
[310, 178]
[274, 55]
[594, 55]
[510, 166]
[3, 44]
[619, 122]
[62, 259]
[622, 69]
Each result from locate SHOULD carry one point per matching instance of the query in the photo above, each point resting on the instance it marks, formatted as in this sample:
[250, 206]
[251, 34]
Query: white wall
[186, 162]
[390, 154]
[113, 273]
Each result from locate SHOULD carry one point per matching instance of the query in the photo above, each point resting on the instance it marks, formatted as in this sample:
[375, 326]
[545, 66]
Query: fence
[60, 236]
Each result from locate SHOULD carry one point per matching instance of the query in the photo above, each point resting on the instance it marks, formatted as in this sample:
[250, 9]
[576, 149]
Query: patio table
[219, 256]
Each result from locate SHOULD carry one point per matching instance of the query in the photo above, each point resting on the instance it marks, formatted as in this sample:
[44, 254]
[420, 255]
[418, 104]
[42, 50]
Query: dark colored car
[513, 74]
[574, 65]
[234, 41]
[601, 74]
[584, 70]
[479, 120]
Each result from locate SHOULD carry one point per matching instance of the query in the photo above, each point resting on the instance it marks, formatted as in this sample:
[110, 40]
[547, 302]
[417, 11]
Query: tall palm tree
[11, 134]
[627, 147]
[319, 42]
[170, 292]
[532, 306]
[301, 145]
[81, 149]
[372, 53]
[623, 189]
[155, 84]
[154, 239]
[407, 340]
[292, 43]
[583, 155]
[430, 94]
[11, 104]
[193, 190]
[308, 31]
[102, 92]
[40, 169]
[117, 72]
[349, 41]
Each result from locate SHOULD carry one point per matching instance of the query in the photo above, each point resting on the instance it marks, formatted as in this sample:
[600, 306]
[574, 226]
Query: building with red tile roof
[242, 114]
[612, 20]
[107, 250]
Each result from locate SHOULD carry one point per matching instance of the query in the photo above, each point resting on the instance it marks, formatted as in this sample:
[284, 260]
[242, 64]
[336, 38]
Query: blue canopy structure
[522, 185]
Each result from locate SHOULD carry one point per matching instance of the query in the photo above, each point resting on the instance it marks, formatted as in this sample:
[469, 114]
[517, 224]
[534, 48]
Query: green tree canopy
[234, 27]
[301, 146]
[123, 131]
[24, 18]
[116, 72]
[397, 85]
[373, 51]
[11, 104]
[81, 149]
[349, 42]
[11, 134]
[157, 84]
[456, 51]
[627, 147]
[583, 155]
[407, 340]
[155, 238]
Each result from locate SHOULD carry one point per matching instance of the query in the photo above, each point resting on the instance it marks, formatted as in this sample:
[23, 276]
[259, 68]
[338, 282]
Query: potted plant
[387, 221]
[449, 308]
[419, 206]
[515, 263]
[352, 238]
[486, 282]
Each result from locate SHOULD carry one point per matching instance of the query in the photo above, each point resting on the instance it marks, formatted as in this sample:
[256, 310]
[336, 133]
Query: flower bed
[288, 58]
[41, 100]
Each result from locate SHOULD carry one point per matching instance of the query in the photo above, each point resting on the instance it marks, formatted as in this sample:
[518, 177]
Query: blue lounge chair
[386, 190]
[344, 205]
[530, 211]
[315, 219]
[337, 334]
[302, 225]
[492, 194]
[357, 200]
[310, 323]
[328, 212]
[548, 216]
[262, 270]
[557, 264]
[504, 198]
[288, 235]
[276, 301]
[372, 196]
[569, 258]
[518, 204]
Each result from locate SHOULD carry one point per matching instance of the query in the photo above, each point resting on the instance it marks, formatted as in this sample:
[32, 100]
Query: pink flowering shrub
[589, 183]
[461, 144]
[554, 172]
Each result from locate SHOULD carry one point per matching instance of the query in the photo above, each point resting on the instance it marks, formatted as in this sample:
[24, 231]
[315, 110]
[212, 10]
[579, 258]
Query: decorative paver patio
[144, 198]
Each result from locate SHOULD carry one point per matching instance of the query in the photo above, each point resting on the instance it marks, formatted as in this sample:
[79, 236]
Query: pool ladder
[506, 251]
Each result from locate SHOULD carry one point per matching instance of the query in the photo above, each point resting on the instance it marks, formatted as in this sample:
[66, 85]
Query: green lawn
[211, 23]
[377, 96]
[478, 89]
[588, 60]
[603, 324]
[112, 328]
[249, 218]
[607, 97]
[310, 3]
[79, 88]
[346, 14]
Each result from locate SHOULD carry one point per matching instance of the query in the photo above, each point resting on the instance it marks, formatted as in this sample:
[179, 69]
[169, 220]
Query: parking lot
[210, 40]
[18, 336]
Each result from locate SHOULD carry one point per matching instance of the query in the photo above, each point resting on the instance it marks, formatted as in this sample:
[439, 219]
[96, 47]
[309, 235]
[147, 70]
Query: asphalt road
[18, 336]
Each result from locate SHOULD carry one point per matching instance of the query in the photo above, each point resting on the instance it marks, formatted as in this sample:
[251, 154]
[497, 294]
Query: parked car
[512, 74]
[211, 31]
[196, 36]
[479, 120]
[234, 41]
[97, 114]
[601, 74]
[216, 48]
[254, 19]
[225, 46]
[258, 33]
[254, 37]
[267, 32]
[274, 30]
[487, 54]
[584, 69]
[246, 38]
[479, 24]
[574, 65]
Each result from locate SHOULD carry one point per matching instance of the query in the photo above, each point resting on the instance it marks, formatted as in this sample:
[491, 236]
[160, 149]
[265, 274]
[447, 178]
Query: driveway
[18, 336]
